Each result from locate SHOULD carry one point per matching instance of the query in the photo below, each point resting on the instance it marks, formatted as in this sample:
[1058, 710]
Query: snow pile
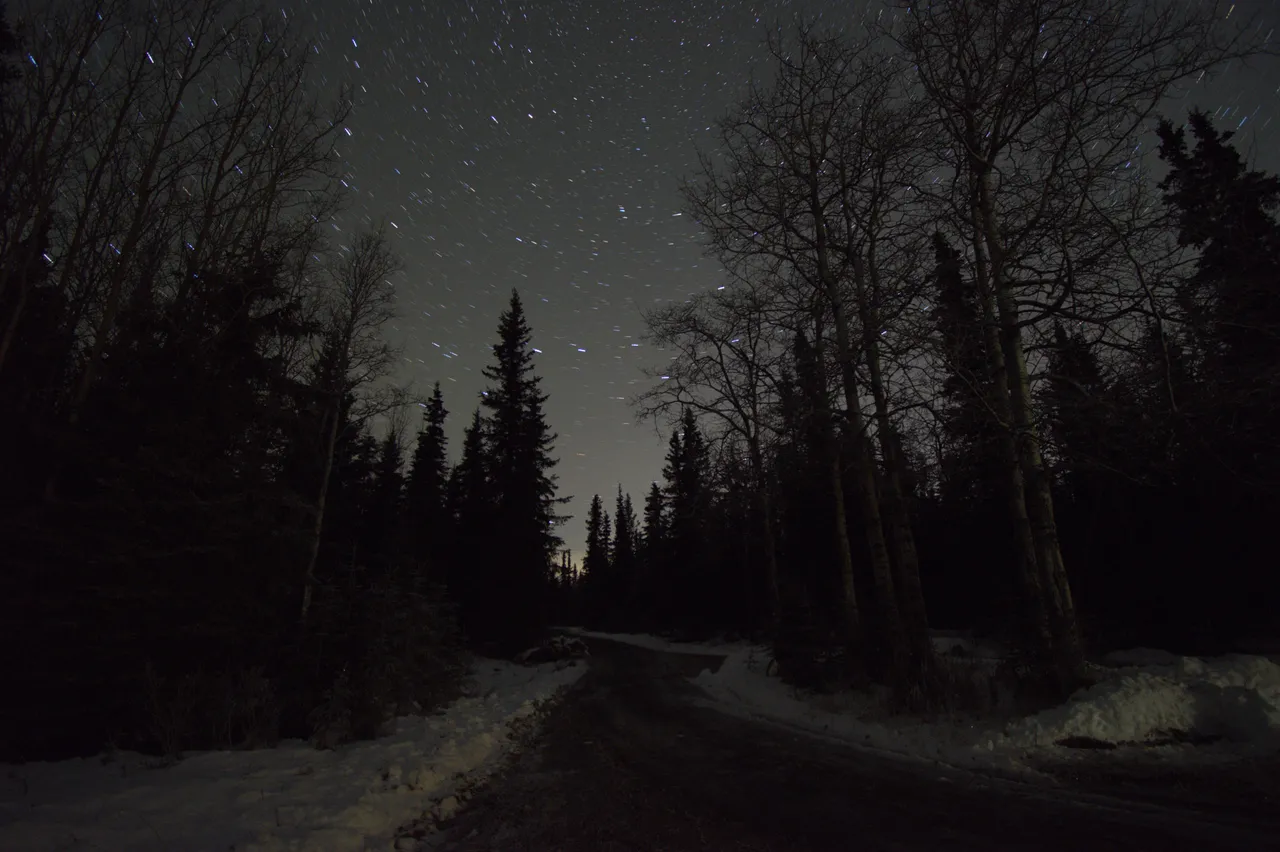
[1232, 701]
[1236, 699]
[288, 798]
[743, 685]
[657, 643]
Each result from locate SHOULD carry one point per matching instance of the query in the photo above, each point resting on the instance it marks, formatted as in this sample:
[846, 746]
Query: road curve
[629, 762]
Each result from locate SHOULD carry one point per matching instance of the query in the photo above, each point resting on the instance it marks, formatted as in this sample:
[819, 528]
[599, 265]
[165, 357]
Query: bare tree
[803, 192]
[724, 365]
[353, 358]
[1043, 104]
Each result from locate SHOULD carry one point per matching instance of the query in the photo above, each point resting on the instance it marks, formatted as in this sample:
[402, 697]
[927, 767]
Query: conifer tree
[520, 445]
[1075, 399]
[425, 490]
[688, 499]
[595, 563]
[471, 511]
[970, 466]
[652, 573]
[1228, 212]
[381, 544]
[624, 549]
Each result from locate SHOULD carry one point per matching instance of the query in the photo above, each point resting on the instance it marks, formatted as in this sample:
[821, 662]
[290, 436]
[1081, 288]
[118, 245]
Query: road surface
[629, 762]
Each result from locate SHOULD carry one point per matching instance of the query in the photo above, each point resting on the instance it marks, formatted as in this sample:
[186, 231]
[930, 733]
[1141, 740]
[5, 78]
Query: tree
[688, 501]
[353, 356]
[595, 562]
[520, 445]
[1075, 399]
[1227, 212]
[383, 547]
[970, 461]
[1041, 105]
[624, 564]
[724, 367]
[653, 574]
[426, 487]
[471, 501]
[807, 199]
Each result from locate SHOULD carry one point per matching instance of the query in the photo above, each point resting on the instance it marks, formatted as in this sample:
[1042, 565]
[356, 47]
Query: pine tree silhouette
[519, 444]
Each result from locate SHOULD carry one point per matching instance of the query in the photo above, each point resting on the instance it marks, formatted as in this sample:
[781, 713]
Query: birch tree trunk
[322, 497]
[835, 480]
[902, 543]
[1028, 553]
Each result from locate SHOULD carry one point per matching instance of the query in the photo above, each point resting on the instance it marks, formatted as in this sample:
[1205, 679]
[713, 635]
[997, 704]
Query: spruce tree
[1227, 212]
[471, 511]
[652, 576]
[425, 491]
[688, 497]
[595, 563]
[1075, 401]
[970, 464]
[520, 446]
[381, 543]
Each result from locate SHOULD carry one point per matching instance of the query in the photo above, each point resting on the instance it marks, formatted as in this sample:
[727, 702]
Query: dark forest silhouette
[1036, 396]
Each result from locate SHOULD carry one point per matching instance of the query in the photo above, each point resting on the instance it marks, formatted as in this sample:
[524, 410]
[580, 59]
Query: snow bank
[1234, 701]
[657, 643]
[1157, 696]
[743, 686]
[288, 798]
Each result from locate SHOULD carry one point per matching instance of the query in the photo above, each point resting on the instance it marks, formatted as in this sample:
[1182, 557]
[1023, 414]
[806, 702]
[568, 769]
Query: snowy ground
[292, 797]
[656, 643]
[1146, 705]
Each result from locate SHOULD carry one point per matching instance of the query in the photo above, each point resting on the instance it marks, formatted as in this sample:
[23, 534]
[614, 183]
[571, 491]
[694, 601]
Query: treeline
[204, 542]
[983, 361]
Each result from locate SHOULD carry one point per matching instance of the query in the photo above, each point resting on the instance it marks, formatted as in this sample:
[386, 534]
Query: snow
[1156, 695]
[292, 797]
[656, 643]
[1144, 701]
[744, 686]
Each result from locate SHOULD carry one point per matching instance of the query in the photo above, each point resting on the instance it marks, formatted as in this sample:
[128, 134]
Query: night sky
[539, 145]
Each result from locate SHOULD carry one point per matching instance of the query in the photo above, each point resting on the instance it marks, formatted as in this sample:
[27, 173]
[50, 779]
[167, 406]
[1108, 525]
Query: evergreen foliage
[518, 444]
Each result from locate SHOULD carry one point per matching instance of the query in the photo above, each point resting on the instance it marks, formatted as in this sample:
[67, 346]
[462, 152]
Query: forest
[996, 350]
[208, 541]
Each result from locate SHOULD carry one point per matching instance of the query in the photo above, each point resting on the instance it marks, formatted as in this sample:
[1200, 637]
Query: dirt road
[629, 762]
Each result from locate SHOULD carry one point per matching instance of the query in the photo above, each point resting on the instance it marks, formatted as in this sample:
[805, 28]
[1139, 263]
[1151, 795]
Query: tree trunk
[322, 497]
[864, 477]
[1065, 652]
[902, 542]
[844, 551]
[765, 509]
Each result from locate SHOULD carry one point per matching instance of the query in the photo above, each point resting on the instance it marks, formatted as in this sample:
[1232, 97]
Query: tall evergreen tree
[970, 464]
[425, 490]
[382, 545]
[1075, 401]
[624, 549]
[689, 500]
[652, 575]
[595, 563]
[471, 510]
[1228, 212]
[520, 446]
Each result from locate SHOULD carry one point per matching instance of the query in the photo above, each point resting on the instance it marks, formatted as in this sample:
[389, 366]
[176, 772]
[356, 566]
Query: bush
[201, 711]
[393, 651]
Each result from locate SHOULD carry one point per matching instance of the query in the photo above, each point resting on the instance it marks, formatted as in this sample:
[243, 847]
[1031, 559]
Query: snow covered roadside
[1145, 704]
[744, 685]
[292, 797]
[655, 643]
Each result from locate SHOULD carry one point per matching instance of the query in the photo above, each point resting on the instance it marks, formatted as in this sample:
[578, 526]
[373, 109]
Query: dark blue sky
[539, 145]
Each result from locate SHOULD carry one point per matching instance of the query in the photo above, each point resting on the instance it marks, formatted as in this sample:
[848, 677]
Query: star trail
[540, 146]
